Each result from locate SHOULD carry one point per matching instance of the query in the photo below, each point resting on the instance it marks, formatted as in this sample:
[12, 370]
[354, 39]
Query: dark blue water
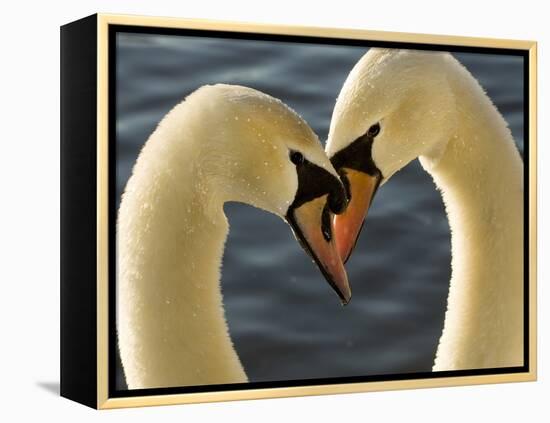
[284, 319]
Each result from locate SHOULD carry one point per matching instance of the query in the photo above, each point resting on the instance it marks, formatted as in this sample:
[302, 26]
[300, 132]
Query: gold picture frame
[78, 334]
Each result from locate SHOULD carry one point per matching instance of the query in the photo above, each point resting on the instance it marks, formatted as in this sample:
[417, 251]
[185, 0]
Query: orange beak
[348, 225]
[312, 226]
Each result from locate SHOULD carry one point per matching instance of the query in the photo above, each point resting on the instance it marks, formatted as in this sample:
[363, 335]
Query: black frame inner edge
[112, 145]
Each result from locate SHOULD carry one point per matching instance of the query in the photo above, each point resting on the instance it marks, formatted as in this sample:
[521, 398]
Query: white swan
[397, 105]
[223, 143]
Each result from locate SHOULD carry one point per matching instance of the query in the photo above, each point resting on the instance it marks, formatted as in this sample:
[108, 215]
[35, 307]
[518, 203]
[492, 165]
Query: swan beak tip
[342, 287]
[345, 301]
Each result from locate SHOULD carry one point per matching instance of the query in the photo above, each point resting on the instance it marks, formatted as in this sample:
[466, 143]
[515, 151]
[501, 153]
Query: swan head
[260, 152]
[395, 106]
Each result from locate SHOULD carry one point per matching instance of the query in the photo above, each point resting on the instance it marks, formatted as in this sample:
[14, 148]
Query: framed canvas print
[253, 211]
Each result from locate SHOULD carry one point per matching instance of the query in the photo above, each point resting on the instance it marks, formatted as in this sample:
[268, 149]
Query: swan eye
[296, 157]
[374, 130]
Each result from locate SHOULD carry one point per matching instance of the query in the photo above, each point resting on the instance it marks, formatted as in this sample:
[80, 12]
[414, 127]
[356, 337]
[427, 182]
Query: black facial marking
[314, 182]
[358, 155]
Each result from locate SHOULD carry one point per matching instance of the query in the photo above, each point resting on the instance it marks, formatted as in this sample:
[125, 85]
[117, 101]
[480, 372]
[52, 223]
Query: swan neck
[171, 235]
[480, 176]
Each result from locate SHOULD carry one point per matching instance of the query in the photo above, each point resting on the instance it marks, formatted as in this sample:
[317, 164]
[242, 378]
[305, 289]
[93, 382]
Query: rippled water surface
[285, 320]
